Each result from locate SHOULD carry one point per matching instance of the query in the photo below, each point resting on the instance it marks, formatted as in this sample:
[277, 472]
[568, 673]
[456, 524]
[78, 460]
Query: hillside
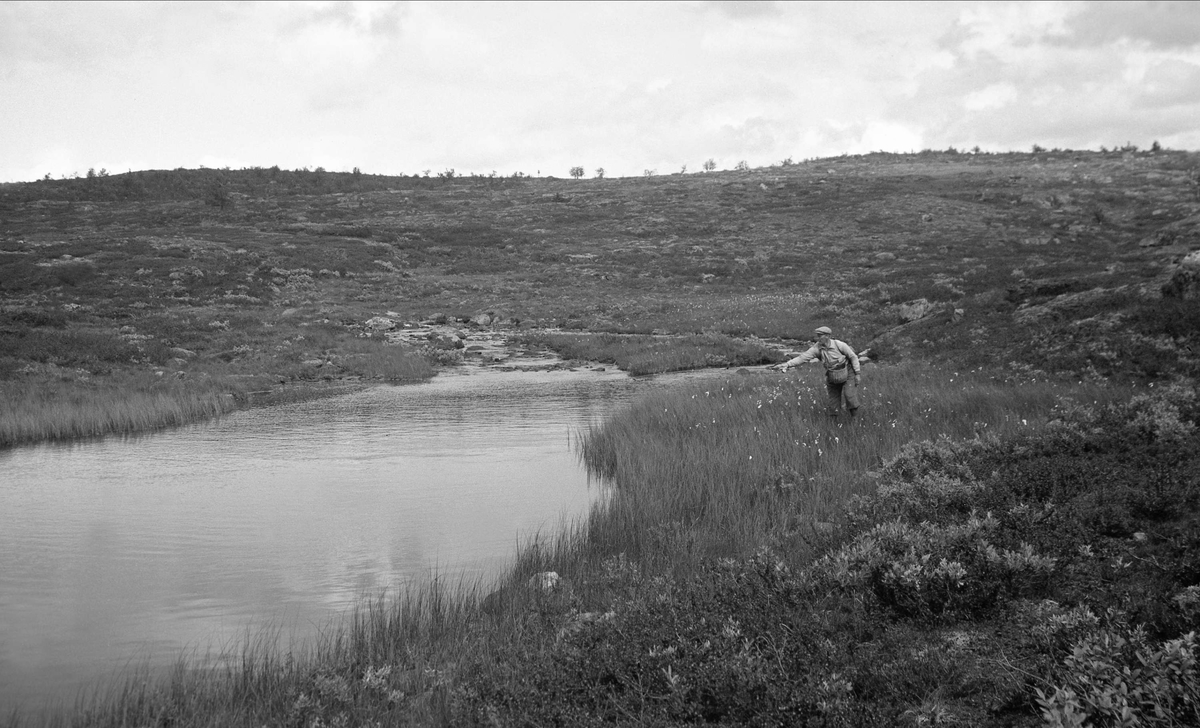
[1006, 535]
[1055, 262]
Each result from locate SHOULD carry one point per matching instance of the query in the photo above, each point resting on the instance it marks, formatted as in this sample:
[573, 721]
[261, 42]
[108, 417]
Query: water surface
[136, 549]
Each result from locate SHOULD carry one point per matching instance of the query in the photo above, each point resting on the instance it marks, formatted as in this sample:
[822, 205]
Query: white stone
[545, 581]
[380, 323]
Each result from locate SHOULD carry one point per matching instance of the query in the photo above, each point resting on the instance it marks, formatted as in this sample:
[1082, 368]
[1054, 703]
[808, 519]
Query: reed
[387, 362]
[388, 660]
[37, 410]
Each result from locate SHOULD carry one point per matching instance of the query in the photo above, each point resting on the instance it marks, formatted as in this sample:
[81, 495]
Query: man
[842, 370]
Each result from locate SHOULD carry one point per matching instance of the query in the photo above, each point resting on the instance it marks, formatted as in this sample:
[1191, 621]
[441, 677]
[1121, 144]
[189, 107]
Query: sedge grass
[389, 660]
[34, 410]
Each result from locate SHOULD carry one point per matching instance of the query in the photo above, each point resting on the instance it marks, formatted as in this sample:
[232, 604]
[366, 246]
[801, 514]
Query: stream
[128, 552]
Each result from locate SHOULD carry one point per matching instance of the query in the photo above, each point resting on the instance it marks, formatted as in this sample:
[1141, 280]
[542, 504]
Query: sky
[539, 88]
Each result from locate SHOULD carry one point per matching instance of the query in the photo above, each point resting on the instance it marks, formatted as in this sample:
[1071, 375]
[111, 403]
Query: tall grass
[53, 410]
[724, 467]
[374, 359]
[386, 659]
[33, 410]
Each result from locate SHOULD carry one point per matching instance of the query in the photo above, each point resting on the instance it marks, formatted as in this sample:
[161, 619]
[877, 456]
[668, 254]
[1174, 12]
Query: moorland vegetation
[1007, 535]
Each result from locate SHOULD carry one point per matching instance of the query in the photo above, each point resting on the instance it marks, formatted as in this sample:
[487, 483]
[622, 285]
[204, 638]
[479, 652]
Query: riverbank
[95, 398]
[33, 410]
[843, 574]
[53, 403]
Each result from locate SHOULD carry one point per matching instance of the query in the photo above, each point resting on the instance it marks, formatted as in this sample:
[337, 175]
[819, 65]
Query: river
[126, 551]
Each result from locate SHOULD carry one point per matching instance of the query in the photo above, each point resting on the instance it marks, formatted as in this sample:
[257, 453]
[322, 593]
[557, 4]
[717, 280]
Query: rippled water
[128, 550]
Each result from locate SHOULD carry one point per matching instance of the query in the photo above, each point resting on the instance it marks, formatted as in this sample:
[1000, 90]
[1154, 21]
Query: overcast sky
[542, 87]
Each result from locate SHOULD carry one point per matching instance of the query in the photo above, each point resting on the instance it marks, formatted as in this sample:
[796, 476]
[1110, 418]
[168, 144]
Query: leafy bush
[929, 571]
[1116, 677]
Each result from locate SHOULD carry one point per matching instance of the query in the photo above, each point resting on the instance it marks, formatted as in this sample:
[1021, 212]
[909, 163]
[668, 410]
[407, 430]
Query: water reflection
[139, 548]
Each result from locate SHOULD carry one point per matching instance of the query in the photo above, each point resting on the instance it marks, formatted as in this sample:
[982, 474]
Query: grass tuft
[59, 410]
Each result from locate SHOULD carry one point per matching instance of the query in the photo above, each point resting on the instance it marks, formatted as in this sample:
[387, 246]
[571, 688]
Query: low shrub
[68, 348]
[72, 274]
[1118, 677]
[33, 317]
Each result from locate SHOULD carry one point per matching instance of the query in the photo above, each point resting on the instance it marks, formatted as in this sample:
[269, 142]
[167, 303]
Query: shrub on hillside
[33, 317]
[930, 571]
[67, 348]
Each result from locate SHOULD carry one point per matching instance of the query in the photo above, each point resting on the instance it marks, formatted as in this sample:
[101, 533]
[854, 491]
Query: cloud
[1170, 83]
[995, 96]
[745, 8]
[1158, 24]
[1006, 30]
[482, 86]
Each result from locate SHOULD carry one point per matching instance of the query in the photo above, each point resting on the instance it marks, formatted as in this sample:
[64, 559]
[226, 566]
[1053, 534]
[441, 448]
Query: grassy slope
[1039, 254]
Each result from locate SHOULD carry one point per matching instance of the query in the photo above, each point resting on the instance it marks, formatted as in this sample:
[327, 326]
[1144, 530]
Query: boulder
[380, 323]
[445, 342]
[445, 337]
[913, 310]
[482, 319]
